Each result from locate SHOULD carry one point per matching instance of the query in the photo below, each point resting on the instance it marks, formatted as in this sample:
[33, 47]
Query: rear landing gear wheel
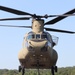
[19, 69]
[56, 69]
[23, 71]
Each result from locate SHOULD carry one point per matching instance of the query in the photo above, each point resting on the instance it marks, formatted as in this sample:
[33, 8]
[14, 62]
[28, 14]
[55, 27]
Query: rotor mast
[38, 25]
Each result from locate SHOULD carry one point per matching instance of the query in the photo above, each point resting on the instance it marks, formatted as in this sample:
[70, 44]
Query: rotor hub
[38, 25]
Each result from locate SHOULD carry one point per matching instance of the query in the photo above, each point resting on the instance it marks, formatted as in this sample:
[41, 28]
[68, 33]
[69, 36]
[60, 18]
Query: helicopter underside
[43, 59]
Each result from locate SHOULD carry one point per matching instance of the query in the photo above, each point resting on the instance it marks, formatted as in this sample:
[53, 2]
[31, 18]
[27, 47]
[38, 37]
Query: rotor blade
[60, 17]
[16, 26]
[66, 15]
[21, 18]
[57, 30]
[14, 11]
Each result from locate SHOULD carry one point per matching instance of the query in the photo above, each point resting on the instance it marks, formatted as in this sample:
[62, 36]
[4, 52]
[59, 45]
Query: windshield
[37, 36]
[44, 36]
[31, 36]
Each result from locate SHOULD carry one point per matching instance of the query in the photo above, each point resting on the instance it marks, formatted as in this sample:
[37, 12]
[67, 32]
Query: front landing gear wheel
[38, 72]
[38, 66]
[52, 70]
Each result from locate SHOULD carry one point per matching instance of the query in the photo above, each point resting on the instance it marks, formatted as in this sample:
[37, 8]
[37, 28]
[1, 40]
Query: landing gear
[56, 69]
[38, 66]
[38, 72]
[53, 69]
[21, 69]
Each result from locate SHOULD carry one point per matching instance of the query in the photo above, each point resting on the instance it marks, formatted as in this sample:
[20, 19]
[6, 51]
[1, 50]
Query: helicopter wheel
[56, 69]
[38, 72]
[52, 70]
[20, 68]
[38, 66]
[23, 71]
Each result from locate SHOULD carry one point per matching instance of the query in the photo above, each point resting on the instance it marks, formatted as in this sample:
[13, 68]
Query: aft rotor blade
[21, 18]
[16, 26]
[57, 30]
[60, 17]
[14, 11]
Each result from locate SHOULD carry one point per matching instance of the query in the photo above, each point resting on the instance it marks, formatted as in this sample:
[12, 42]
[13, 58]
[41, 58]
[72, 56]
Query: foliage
[61, 71]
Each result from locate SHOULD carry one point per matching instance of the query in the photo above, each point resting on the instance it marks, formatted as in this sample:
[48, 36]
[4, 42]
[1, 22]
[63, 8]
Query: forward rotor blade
[16, 26]
[14, 11]
[57, 30]
[21, 18]
[60, 17]
[66, 15]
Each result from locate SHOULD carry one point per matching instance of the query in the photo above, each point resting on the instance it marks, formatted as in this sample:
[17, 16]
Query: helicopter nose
[38, 44]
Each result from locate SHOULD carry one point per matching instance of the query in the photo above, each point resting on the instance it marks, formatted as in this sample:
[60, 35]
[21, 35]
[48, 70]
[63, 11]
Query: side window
[49, 37]
[55, 39]
[43, 36]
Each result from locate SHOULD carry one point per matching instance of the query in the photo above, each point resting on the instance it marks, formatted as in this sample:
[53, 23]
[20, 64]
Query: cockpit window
[38, 36]
[31, 36]
[43, 36]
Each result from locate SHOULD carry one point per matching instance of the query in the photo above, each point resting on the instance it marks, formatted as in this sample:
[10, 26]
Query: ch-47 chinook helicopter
[37, 51]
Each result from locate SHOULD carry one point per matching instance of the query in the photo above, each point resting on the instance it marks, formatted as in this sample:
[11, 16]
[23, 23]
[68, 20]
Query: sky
[11, 38]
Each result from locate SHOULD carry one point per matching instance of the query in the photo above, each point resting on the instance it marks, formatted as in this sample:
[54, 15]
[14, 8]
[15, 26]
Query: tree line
[61, 71]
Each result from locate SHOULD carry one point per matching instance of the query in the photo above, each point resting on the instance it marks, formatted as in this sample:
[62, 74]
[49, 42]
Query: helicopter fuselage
[38, 49]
